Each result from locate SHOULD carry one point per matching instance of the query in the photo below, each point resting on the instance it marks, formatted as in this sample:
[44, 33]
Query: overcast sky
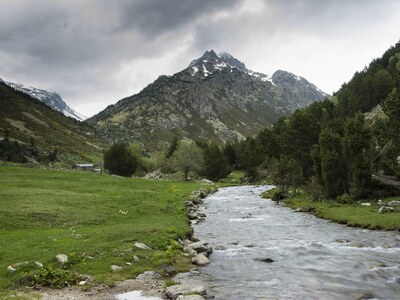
[95, 52]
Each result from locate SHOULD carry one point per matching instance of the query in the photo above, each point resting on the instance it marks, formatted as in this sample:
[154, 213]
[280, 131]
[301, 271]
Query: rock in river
[200, 260]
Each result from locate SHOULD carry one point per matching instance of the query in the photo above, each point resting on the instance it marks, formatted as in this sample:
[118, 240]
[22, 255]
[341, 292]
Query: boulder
[200, 260]
[11, 269]
[190, 297]
[38, 264]
[206, 181]
[196, 201]
[149, 275]
[62, 258]
[141, 246]
[136, 259]
[174, 291]
[170, 270]
[266, 260]
[385, 209]
[200, 246]
[115, 268]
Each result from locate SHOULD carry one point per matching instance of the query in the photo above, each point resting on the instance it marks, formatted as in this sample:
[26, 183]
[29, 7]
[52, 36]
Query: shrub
[345, 199]
[119, 161]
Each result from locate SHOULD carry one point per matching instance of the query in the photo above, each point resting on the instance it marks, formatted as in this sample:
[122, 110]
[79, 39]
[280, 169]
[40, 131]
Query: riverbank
[355, 215]
[97, 221]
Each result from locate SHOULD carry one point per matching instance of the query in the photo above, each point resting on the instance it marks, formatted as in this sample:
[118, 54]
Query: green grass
[268, 194]
[47, 212]
[233, 179]
[349, 214]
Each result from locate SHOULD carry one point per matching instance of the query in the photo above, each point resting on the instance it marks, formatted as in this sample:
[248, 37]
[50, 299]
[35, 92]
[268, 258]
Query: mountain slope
[48, 97]
[215, 98]
[28, 121]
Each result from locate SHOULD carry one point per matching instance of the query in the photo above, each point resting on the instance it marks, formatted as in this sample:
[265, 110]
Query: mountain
[48, 97]
[36, 127]
[215, 98]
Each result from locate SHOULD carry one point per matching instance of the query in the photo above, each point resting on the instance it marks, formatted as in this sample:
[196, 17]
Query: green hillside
[40, 130]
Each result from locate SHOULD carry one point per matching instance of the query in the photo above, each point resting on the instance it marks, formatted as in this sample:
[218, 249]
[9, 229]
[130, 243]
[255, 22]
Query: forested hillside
[336, 146]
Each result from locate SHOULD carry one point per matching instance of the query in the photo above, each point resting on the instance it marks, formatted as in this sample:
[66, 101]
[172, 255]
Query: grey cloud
[155, 17]
[85, 49]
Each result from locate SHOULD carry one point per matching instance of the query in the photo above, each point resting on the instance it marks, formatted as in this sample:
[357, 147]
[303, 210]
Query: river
[266, 251]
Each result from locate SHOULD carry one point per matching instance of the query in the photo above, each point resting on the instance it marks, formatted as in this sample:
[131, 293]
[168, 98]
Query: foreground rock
[149, 287]
[62, 258]
[173, 292]
[149, 275]
[200, 260]
[200, 247]
[190, 297]
[141, 246]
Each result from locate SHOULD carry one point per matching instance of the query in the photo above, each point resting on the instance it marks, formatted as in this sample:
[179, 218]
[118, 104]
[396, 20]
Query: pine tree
[333, 172]
[358, 150]
[215, 163]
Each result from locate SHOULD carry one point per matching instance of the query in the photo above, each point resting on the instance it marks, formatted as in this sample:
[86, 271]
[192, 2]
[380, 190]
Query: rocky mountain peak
[216, 98]
[230, 60]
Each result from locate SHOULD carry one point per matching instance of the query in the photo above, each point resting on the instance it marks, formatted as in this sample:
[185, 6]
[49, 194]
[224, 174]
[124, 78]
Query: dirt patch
[149, 287]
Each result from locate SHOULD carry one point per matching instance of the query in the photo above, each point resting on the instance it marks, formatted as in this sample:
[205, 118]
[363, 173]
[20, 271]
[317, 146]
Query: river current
[266, 251]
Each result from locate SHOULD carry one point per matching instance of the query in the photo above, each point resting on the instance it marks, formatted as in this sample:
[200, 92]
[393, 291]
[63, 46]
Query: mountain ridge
[48, 97]
[216, 98]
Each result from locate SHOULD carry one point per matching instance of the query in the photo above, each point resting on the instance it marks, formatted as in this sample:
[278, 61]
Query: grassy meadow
[94, 219]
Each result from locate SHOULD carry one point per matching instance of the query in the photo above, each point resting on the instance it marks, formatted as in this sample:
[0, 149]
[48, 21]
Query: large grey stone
[200, 260]
[190, 297]
[174, 291]
[149, 275]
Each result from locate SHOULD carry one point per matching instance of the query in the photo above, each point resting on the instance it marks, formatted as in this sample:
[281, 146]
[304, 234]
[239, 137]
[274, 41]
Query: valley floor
[93, 219]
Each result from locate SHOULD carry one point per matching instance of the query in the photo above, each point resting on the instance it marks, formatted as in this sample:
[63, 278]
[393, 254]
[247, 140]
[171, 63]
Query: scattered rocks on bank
[169, 270]
[206, 181]
[393, 203]
[387, 207]
[200, 247]
[174, 291]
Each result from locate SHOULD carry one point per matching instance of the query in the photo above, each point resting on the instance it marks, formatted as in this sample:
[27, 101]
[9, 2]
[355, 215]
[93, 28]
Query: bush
[54, 278]
[119, 161]
[345, 199]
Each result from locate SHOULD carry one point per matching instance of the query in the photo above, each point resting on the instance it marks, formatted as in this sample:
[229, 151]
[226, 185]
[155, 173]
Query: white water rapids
[311, 258]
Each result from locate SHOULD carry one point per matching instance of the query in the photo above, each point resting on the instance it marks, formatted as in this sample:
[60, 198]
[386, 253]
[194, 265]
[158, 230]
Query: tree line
[330, 147]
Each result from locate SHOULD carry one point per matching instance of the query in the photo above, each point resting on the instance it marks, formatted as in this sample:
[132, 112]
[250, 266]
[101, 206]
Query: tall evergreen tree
[358, 150]
[215, 163]
[333, 172]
